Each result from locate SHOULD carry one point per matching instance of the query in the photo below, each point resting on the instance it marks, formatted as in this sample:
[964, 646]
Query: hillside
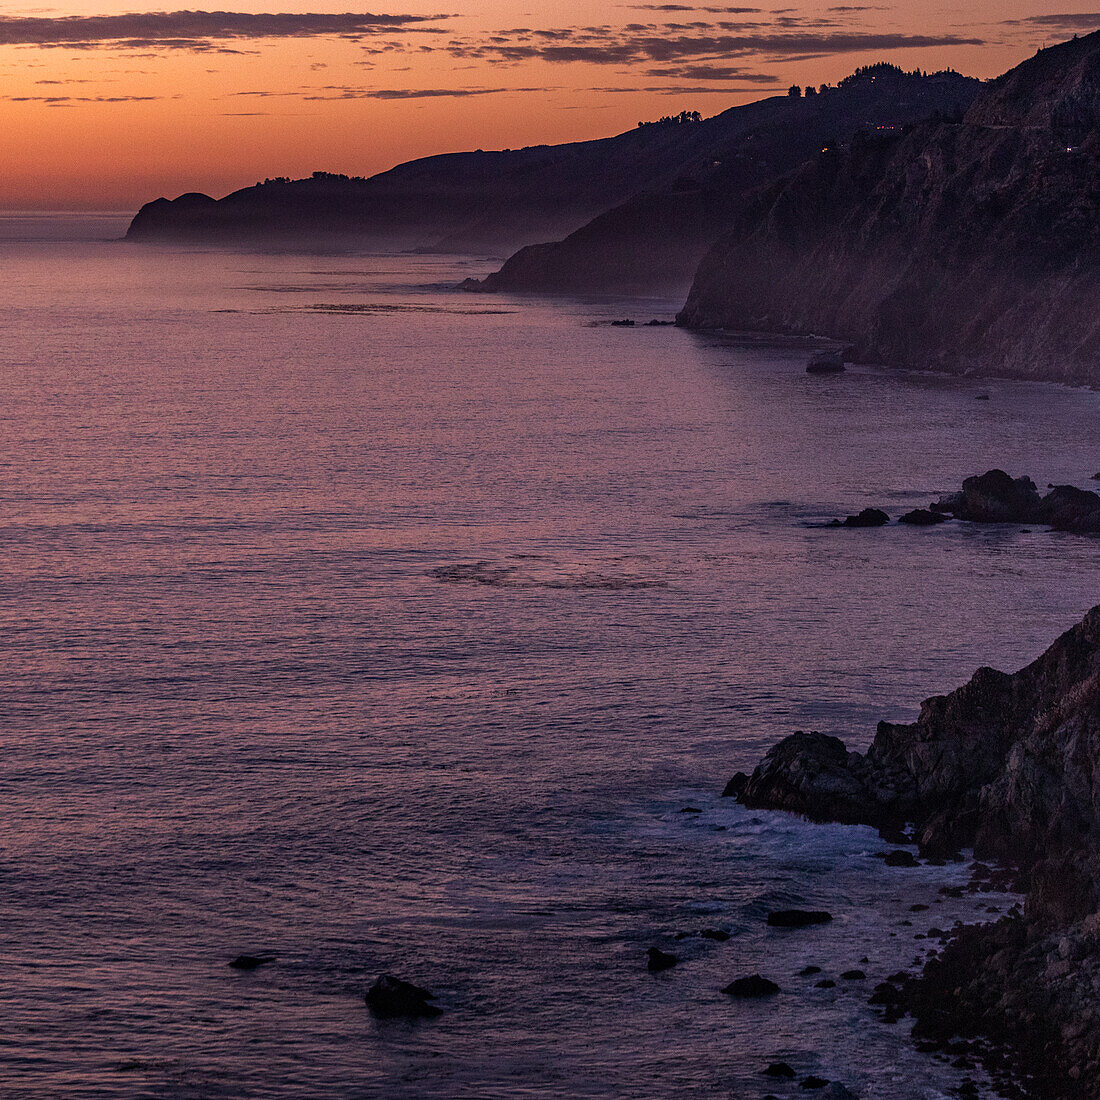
[685, 175]
[963, 246]
[656, 239]
[476, 201]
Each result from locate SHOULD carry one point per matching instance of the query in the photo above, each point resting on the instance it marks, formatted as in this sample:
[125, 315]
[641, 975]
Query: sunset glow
[103, 110]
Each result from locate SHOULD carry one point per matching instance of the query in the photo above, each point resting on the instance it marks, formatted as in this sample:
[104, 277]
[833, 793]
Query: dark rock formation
[1010, 765]
[995, 497]
[958, 245]
[655, 240]
[719, 935]
[754, 986]
[923, 517]
[798, 918]
[779, 1069]
[735, 786]
[812, 1082]
[391, 997]
[825, 362]
[869, 517]
[899, 858]
[853, 976]
[657, 960]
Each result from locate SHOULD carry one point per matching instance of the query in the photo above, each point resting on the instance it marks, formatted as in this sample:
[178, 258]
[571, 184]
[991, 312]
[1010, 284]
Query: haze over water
[386, 628]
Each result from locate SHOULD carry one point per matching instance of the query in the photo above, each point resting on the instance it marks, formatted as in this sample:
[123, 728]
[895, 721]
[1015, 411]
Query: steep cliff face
[1009, 764]
[656, 238]
[971, 246]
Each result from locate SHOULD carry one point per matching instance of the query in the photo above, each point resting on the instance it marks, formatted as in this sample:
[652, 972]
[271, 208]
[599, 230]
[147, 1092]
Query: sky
[106, 105]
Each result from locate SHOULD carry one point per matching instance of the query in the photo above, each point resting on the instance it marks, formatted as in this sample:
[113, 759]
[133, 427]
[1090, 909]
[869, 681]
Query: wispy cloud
[1066, 21]
[607, 46]
[196, 30]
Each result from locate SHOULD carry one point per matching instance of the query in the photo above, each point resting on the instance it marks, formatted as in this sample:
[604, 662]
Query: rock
[899, 857]
[806, 971]
[657, 960]
[659, 324]
[853, 976]
[391, 997]
[886, 994]
[1007, 765]
[923, 517]
[691, 810]
[869, 517]
[836, 1091]
[1067, 508]
[778, 1069]
[251, 962]
[994, 497]
[982, 397]
[825, 983]
[624, 323]
[1096, 477]
[825, 362]
[735, 786]
[798, 918]
[717, 934]
[812, 1082]
[754, 986]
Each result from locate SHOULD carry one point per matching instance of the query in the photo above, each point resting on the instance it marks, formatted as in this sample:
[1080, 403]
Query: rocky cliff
[1010, 765]
[964, 246]
[655, 240]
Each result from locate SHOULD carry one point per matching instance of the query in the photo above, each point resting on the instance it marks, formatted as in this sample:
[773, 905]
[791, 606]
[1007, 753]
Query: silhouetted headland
[681, 177]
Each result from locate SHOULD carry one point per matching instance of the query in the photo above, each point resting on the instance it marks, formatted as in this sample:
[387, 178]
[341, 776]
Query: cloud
[1067, 21]
[603, 46]
[335, 92]
[707, 71]
[196, 30]
[413, 93]
[66, 100]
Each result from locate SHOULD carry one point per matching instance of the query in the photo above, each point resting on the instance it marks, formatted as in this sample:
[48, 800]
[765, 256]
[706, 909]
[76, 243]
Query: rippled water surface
[380, 627]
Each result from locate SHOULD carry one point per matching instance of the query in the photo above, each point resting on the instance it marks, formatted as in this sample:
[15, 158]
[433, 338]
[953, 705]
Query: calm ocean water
[384, 628]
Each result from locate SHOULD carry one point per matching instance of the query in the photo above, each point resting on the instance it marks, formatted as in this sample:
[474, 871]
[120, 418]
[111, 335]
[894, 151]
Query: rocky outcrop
[392, 998]
[655, 240]
[995, 497]
[960, 246]
[1008, 764]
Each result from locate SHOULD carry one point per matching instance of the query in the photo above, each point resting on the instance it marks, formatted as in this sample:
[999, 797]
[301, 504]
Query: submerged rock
[754, 986]
[657, 960]
[391, 997]
[812, 1082]
[798, 918]
[251, 962]
[778, 1069]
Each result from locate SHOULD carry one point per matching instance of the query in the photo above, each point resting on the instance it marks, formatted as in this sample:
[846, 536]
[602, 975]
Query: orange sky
[105, 113]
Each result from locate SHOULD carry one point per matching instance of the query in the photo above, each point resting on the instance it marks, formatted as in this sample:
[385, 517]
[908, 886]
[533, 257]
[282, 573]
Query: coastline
[1004, 764]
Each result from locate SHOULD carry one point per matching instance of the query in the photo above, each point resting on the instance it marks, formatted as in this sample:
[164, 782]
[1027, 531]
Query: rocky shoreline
[1008, 765]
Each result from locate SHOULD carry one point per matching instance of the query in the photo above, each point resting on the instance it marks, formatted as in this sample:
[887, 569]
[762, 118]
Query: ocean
[385, 628]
